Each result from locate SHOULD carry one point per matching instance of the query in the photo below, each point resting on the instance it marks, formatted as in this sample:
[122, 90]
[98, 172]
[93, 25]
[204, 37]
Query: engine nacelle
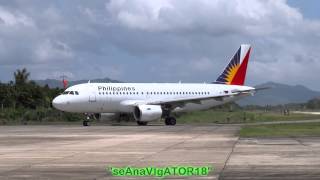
[97, 116]
[147, 112]
[103, 116]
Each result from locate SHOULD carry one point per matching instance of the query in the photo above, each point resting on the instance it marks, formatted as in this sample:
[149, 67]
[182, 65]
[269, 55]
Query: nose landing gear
[86, 122]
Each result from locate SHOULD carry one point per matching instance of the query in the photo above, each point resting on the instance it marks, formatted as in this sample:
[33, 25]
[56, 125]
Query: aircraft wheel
[170, 121]
[173, 121]
[142, 123]
[86, 123]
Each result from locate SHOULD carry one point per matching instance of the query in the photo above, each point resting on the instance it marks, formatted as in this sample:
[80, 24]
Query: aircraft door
[92, 97]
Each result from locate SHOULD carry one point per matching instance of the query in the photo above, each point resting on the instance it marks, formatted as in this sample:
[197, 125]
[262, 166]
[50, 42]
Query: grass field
[221, 116]
[281, 130]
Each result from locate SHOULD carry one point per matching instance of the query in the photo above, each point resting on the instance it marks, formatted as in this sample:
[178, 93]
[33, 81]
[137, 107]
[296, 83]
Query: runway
[75, 152]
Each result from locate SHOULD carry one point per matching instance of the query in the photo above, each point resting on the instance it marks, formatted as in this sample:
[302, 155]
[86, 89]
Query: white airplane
[152, 101]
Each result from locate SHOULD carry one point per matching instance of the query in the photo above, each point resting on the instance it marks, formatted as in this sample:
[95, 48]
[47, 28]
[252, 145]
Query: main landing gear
[170, 121]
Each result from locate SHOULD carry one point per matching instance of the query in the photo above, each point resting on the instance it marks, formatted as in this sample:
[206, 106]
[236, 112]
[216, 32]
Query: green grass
[10, 116]
[281, 130]
[221, 116]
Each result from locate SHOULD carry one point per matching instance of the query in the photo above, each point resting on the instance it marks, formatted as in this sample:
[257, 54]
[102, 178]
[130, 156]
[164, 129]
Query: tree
[21, 76]
[313, 103]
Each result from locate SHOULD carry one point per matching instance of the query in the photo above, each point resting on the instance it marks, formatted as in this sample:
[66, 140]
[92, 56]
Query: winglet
[235, 72]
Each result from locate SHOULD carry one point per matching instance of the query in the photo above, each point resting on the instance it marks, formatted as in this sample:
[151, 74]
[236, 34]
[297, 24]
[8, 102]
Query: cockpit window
[71, 93]
[66, 92]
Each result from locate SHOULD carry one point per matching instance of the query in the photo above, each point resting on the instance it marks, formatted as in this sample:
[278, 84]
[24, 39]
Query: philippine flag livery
[235, 72]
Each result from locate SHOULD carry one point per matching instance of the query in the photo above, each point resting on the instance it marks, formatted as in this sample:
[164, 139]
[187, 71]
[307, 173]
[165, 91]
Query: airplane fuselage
[113, 97]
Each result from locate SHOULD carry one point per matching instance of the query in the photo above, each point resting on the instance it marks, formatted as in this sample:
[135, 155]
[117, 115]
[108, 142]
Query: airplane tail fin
[235, 72]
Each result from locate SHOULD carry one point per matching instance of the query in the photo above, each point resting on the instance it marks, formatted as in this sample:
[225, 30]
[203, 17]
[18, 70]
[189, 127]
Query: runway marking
[228, 158]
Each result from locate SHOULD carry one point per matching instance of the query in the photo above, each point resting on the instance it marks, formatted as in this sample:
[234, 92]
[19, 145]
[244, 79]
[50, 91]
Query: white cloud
[53, 50]
[8, 18]
[218, 16]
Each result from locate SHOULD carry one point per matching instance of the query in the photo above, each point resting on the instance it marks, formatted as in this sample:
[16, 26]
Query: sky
[160, 40]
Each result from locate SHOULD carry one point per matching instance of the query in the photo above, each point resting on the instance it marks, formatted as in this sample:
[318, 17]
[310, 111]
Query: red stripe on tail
[240, 76]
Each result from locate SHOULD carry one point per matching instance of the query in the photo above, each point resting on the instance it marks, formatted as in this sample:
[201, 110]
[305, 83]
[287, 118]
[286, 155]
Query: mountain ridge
[280, 94]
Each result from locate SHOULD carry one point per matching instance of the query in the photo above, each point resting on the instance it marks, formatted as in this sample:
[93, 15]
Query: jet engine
[145, 113]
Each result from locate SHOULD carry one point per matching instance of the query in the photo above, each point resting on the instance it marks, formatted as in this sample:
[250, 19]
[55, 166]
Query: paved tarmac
[274, 158]
[75, 152]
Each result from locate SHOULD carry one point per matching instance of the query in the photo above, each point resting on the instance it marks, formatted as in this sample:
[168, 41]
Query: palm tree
[21, 76]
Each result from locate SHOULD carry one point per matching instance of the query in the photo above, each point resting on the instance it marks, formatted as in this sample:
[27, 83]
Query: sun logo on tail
[235, 72]
[231, 72]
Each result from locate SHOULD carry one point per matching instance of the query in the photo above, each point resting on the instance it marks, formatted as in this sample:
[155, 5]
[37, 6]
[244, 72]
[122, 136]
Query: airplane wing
[181, 101]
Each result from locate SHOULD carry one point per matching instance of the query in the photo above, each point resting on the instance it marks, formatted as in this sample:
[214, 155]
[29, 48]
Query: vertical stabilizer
[235, 72]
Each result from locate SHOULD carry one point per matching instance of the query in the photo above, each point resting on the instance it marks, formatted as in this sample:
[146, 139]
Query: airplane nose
[57, 103]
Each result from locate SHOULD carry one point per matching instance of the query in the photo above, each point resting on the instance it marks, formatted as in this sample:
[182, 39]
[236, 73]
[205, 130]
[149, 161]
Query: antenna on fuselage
[89, 81]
